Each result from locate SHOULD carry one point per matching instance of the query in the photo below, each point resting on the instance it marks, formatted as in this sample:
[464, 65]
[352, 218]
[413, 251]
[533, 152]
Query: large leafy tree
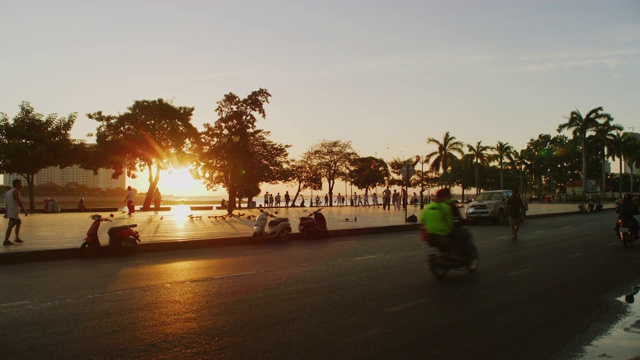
[447, 148]
[151, 135]
[235, 154]
[581, 126]
[331, 158]
[304, 176]
[480, 156]
[502, 151]
[368, 172]
[31, 142]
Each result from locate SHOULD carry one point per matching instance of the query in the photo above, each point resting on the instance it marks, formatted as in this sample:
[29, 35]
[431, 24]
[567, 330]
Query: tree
[331, 159]
[446, 150]
[630, 151]
[614, 150]
[236, 155]
[304, 175]
[152, 134]
[32, 142]
[368, 172]
[502, 151]
[581, 127]
[480, 156]
[604, 133]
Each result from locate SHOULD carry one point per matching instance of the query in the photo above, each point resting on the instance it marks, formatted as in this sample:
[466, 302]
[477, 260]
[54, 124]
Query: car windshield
[491, 196]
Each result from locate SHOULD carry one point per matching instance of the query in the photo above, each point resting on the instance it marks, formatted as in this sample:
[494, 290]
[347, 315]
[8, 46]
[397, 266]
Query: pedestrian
[287, 198]
[394, 199]
[326, 199]
[359, 200]
[339, 200]
[302, 201]
[14, 205]
[266, 199]
[515, 209]
[386, 199]
[374, 199]
[157, 199]
[366, 197]
[129, 200]
[81, 206]
[317, 200]
[271, 201]
[278, 199]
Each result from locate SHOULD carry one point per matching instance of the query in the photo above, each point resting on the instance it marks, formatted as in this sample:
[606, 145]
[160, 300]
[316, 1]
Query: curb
[186, 244]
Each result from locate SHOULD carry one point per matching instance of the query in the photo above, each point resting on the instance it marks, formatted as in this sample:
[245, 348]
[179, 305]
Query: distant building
[73, 174]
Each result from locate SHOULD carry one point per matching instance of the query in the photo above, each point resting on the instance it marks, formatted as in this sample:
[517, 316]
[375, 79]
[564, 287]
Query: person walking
[515, 209]
[266, 199]
[287, 198]
[129, 200]
[157, 200]
[394, 199]
[386, 198]
[339, 200]
[14, 205]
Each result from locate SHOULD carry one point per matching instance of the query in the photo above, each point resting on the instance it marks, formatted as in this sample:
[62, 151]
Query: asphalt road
[357, 297]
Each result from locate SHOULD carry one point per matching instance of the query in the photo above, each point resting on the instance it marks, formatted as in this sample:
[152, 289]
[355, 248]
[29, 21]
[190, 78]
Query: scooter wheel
[438, 269]
[85, 250]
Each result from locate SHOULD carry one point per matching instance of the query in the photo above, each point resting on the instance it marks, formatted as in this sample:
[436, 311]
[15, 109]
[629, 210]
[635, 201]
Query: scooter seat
[117, 229]
[277, 221]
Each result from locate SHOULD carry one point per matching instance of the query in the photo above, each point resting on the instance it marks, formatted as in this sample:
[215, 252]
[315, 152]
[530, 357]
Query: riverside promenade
[49, 236]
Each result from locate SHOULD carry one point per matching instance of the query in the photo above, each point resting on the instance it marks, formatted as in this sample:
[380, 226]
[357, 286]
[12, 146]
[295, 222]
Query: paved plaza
[66, 230]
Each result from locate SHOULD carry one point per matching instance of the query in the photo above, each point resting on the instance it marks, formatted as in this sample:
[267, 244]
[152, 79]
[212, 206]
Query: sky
[385, 75]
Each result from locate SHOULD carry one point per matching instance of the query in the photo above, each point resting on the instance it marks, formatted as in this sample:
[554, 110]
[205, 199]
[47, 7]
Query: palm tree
[447, 148]
[517, 160]
[480, 156]
[503, 151]
[581, 127]
[630, 151]
[614, 150]
[604, 132]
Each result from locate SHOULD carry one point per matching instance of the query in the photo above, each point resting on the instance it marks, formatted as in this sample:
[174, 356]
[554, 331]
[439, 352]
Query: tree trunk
[620, 179]
[153, 183]
[584, 165]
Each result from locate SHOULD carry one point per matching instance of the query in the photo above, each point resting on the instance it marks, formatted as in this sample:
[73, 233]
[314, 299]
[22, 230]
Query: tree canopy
[152, 134]
[31, 142]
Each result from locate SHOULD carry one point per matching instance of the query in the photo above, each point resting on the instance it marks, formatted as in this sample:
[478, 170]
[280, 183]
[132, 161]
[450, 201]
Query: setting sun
[177, 182]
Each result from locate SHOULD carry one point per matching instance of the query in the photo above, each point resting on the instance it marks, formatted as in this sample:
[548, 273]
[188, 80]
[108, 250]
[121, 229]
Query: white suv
[492, 205]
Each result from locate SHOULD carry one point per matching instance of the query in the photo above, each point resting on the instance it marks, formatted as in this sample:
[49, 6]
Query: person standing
[266, 199]
[278, 199]
[326, 200]
[395, 198]
[386, 198]
[14, 205]
[287, 198]
[157, 200]
[271, 201]
[129, 200]
[339, 200]
[515, 209]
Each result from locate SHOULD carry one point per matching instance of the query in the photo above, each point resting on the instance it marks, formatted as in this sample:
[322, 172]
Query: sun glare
[179, 182]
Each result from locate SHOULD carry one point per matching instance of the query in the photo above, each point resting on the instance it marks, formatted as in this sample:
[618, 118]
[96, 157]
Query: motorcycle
[582, 209]
[441, 258]
[313, 225]
[625, 234]
[278, 228]
[122, 239]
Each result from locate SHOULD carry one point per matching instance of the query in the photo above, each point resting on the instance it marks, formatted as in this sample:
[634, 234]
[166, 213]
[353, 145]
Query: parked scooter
[122, 239]
[313, 225]
[441, 258]
[278, 228]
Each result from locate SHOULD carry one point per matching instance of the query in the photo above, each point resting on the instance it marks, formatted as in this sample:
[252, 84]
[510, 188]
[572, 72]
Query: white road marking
[404, 306]
[234, 275]
[502, 237]
[519, 272]
[366, 257]
[539, 231]
[120, 263]
[15, 303]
